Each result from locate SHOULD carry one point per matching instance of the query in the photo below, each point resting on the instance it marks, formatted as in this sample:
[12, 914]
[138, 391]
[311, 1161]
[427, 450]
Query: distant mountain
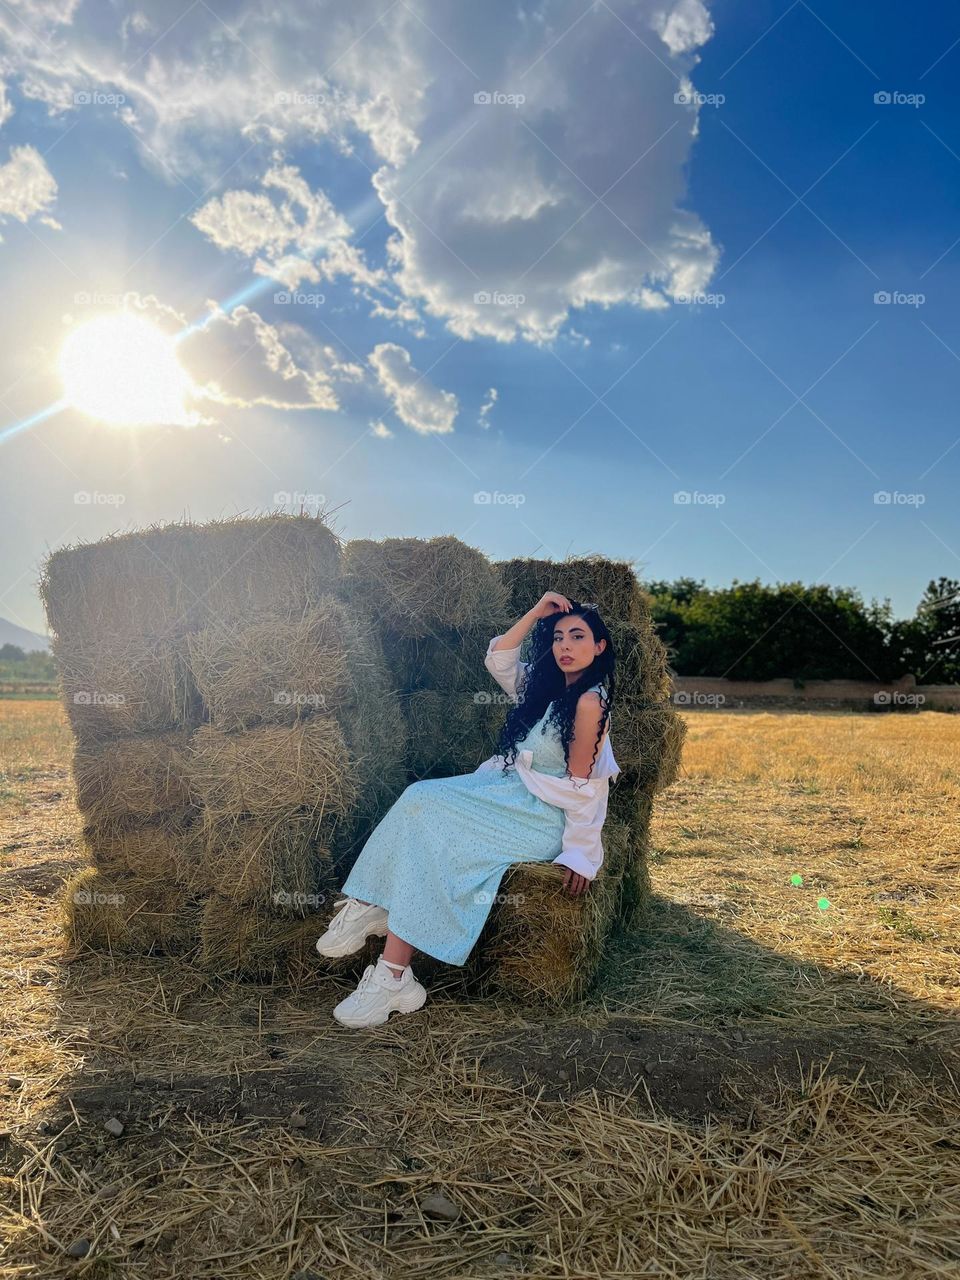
[10, 633]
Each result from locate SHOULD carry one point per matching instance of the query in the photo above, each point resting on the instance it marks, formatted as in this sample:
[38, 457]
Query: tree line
[751, 631]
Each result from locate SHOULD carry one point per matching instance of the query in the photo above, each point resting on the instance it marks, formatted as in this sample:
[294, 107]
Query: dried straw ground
[766, 1086]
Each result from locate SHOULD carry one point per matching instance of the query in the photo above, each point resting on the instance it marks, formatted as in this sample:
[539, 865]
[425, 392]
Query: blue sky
[337, 180]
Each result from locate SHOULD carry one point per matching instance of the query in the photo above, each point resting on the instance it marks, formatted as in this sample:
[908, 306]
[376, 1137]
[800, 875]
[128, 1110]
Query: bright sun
[124, 371]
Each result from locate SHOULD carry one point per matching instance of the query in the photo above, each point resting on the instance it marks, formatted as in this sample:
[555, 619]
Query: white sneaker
[378, 993]
[350, 928]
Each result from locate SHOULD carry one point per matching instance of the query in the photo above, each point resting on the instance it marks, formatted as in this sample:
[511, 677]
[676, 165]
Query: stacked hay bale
[435, 603]
[119, 611]
[243, 735]
[538, 941]
[269, 694]
[302, 754]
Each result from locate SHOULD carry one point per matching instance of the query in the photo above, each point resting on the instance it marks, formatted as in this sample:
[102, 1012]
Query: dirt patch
[306, 1102]
[692, 1074]
[43, 879]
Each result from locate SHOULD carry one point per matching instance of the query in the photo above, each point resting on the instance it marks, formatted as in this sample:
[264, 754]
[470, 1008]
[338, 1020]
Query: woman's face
[574, 647]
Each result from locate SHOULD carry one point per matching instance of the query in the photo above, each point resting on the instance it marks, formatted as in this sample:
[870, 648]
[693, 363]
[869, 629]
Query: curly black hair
[544, 684]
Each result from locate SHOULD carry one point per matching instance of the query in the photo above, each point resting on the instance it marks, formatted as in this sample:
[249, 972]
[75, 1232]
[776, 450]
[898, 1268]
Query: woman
[430, 870]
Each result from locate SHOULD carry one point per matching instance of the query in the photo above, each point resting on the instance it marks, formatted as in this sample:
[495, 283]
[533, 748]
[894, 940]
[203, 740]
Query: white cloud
[418, 403]
[241, 360]
[27, 187]
[381, 430]
[492, 397]
[684, 27]
[6, 109]
[300, 238]
[572, 199]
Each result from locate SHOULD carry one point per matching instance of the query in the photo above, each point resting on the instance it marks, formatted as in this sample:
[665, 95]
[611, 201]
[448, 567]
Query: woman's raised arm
[549, 603]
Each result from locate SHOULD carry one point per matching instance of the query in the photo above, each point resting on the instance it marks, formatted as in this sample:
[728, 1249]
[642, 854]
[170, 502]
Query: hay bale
[283, 864]
[449, 733]
[250, 940]
[331, 661]
[671, 753]
[168, 580]
[169, 849]
[133, 779]
[269, 566]
[276, 671]
[137, 583]
[119, 686]
[610, 584]
[634, 902]
[272, 772]
[541, 944]
[125, 913]
[449, 660]
[414, 586]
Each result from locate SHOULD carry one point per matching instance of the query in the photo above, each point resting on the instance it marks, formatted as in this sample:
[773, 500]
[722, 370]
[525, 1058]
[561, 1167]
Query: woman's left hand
[574, 883]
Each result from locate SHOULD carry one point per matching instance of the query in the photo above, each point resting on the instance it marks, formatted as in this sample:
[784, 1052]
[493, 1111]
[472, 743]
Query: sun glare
[124, 371]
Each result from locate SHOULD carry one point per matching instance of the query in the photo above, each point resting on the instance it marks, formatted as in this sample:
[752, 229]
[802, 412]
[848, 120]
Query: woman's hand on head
[574, 883]
[550, 604]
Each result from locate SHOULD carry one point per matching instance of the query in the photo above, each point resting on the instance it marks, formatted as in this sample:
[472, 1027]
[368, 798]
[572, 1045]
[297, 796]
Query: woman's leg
[397, 953]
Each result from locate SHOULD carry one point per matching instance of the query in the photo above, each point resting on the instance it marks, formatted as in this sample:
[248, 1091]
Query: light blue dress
[436, 858]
